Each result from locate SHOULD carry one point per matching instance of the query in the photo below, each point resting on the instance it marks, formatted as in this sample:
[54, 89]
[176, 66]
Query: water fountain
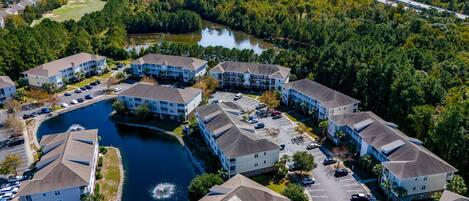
[76, 127]
[163, 191]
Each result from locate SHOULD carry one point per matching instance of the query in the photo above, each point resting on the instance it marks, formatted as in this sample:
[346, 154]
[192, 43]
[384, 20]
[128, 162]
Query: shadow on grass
[201, 151]
[272, 181]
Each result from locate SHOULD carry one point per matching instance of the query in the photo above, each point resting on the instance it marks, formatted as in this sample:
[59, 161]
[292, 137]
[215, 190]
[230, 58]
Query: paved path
[421, 6]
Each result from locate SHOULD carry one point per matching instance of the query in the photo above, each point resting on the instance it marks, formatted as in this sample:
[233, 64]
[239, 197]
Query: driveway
[282, 131]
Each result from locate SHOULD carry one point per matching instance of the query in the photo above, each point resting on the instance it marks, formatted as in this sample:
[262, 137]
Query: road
[420, 6]
[327, 187]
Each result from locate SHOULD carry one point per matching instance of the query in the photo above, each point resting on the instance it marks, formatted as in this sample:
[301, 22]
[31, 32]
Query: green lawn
[74, 10]
[271, 182]
[83, 83]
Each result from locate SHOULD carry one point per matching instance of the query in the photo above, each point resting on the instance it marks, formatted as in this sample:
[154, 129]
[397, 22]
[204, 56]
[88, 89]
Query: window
[415, 178]
[256, 155]
[57, 192]
[425, 178]
[265, 153]
[413, 188]
[43, 195]
[423, 187]
[256, 164]
[265, 161]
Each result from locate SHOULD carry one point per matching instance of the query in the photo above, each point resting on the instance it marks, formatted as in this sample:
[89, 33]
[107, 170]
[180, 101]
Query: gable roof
[5, 82]
[450, 196]
[327, 97]
[165, 93]
[273, 71]
[233, 136]
[241, 188]
[54, 67]
[407, 157]
[66, 163]
[169, 60]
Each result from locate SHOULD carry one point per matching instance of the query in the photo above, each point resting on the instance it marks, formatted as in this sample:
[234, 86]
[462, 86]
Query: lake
[211, 35]
[149, 158]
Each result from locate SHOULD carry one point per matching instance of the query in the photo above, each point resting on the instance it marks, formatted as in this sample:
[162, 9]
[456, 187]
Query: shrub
[201, 184]
[102, 150]
[100, 162]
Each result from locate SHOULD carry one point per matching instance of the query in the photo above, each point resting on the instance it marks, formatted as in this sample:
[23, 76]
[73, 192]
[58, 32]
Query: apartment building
[183, 69]
[241, 188]
[66, 170]
[7, 89]
[408, 166]
[235, 142]
[312, 96]
[14, 9]
[250, 75]
[3, 15]
[450, 196]
[164, 101]
[64, 70]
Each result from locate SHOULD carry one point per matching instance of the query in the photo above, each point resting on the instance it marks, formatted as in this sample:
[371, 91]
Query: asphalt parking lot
[282, 131]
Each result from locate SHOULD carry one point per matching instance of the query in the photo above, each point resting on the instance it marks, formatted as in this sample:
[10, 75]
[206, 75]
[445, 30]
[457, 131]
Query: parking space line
[349, 179]
[319, 196]
[354, 184]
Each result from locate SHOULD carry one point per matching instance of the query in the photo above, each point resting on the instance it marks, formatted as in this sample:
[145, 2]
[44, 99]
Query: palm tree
[387, 185]
[323, 125]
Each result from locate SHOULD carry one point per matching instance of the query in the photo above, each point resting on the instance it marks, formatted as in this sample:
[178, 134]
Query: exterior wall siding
[249, 81]
[171, 72]
[70, 194]
[6, 94]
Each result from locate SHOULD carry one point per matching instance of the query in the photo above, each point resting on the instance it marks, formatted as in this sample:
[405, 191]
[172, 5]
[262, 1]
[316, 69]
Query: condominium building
[66, 170]
[241, 188]
[250, 75]
[184, 69]
[163, 101]
[65, 70]
[235, 142]
[450, 196]
[14, 9]
[317, 98]
[7, 89]
[413, 171]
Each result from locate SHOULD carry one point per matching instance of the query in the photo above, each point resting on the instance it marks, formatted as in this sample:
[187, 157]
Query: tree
[323, 125]
[378, 170]
[111, 81]
[303, 161]
[282, 169]
[436, 196]
[12, 106]
[387, 186]
[270, 98]
[119, 75]
[457, 185]
[295, 192]
[143, 111]
[79, 76]
[10, 164]
[93, 197]
[201, 184]
[49, 87]
[149, 80]
[119, 107]
[207, 84]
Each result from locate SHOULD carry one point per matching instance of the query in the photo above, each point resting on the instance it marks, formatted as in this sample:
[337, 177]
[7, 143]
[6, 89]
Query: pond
[151, 160]
[211, 35]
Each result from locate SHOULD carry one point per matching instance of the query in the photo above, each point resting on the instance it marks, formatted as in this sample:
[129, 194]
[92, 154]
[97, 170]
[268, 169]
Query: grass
[74, 10]
[253, 96]
[109, 184]
[272, 182]
[84, 82]
[296, 116]
[106, 75]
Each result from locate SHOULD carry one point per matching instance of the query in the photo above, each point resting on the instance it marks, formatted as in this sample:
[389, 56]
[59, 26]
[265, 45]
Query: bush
[295, 193]
[98, 174]
[100, 162]
[201, 184]
[102, 150]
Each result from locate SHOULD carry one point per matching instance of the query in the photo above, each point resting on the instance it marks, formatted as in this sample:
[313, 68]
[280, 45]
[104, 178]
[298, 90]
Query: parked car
[83, 88]
[276, 116]
[73, 102]
[64, 105]
[45, 111]
[89, 86]
[360, 197]
[15, 142]
[80, 100]
[67, 94]
[253, 121]
[216, 101]
[313, 145]
[260, 106]
[261, 113]
[34, 114]
[26, 116]
[97, 82]
[282, 147]
[89, 96]
[275, 112]
[328, 161]
[292, 167]
[7, 196]
[117, 89]
[238, 96]
[306, 181]
[78, 91]
[259, 126]
[340, 172]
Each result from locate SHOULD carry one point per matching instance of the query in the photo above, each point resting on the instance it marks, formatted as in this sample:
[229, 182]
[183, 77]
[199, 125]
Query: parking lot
[282, 131]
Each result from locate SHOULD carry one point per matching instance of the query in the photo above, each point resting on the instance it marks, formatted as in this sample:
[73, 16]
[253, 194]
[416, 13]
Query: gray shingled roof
[450, 196]
[274, 71]
[165, 93]
[328, 97]
[169, 60]
[408, 160]
[5, 82]
[54, 67]
[66, 162]
[241, 188]
[233, 136]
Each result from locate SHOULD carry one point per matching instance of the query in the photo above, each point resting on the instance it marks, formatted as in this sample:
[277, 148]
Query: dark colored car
[97, 82]
[34, 114]
[15, 142]
[93, 84]
[78, 91]
[67, 94]
[275, 113]
[83, 88]
[80, 100]
[89, 87]
[341, 172]
[277, 117]
[260, 106]
[88, 96]
[282, 147]
[259, 125]
[329, 161]
[360, 197]
[45, 111]
[26, 116]
[313, 145]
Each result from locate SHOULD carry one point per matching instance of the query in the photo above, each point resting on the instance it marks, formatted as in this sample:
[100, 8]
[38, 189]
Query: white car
[74, 102]
[238, 96]
[64, 105]
[117, 89]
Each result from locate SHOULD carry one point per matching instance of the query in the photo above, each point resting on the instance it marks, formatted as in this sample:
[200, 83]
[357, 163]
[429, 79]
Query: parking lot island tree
[295, 192]
[201, 184]
[303, 161]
